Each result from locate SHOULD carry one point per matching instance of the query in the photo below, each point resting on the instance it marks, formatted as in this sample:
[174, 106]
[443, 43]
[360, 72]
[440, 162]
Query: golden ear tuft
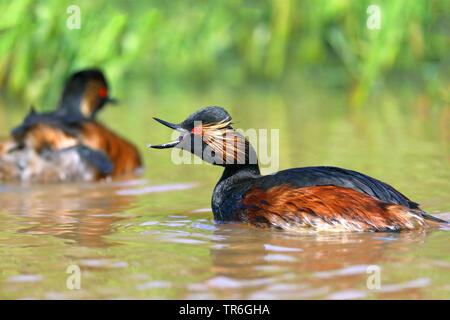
[225, 141]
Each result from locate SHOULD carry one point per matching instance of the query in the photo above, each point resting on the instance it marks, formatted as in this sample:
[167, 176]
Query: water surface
[153, 237]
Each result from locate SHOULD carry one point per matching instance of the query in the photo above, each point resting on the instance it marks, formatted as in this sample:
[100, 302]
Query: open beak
[170, 144]
[168, 124]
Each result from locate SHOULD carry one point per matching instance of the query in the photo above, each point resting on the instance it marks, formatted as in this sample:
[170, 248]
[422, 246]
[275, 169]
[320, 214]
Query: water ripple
[270, 247]
[352, 270]
[157, 188]
[24, 278]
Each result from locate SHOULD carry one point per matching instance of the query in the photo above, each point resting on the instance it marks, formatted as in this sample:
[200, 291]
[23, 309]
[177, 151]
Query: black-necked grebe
[310, 198]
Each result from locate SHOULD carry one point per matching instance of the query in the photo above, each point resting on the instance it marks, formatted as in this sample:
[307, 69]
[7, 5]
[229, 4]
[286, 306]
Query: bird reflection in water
[83, 213]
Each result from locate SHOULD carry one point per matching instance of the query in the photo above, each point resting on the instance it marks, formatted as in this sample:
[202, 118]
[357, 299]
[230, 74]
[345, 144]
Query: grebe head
[85, 93]
[208, 134]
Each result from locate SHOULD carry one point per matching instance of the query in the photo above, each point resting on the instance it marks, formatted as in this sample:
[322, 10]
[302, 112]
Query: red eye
[197, 130]
[102, 93]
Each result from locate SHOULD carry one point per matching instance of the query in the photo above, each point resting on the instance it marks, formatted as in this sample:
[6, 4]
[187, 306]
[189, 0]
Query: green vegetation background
[170, 46]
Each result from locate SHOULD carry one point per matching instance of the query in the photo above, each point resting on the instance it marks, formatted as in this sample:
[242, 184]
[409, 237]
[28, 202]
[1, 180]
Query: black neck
[235, 177]
[240, 170]
[70, 103]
